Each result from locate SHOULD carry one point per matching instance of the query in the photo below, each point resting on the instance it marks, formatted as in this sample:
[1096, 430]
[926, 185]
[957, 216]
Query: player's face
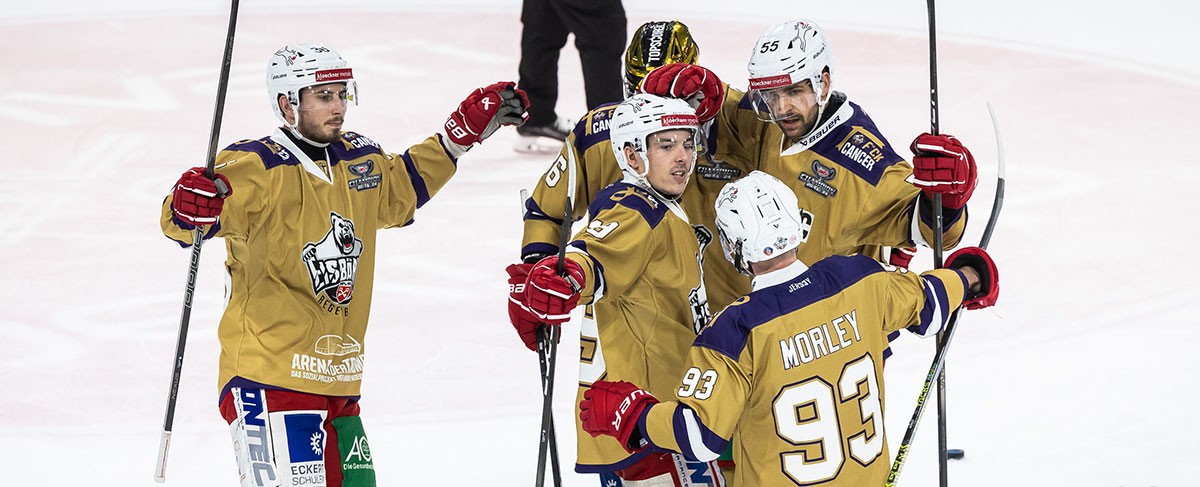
[794, 108]
[323, 109]
[672, 155]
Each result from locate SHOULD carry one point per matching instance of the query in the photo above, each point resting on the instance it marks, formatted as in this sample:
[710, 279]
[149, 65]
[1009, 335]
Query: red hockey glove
[901, 257]
[941, 164]
[989, 277]
[696, 84]
[485, 110]
[613, 408]
[197, 199]
[522, 319]
[550, 296]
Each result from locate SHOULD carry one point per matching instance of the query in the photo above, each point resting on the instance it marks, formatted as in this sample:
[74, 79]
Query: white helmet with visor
[788, 53]
[298, 66]
[642, 115]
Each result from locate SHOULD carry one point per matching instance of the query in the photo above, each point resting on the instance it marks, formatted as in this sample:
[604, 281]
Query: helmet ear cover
[653, 45]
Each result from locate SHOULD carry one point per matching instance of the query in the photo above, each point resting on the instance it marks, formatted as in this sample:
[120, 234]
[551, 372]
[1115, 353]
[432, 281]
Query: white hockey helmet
[758, 218]
[787, 53]
[298, 66]
[642, 115]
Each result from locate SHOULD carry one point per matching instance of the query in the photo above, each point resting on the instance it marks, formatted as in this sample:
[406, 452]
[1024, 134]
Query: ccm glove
[613, 409]
[484, 111]
[941, 164]
[198, 199]
[989, 278]
[699, 86]
[549, 296]
[522, 319]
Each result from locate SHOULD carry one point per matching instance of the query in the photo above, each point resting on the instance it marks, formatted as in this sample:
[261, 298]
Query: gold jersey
[645, 297]
[793, 372]
[596, 168]
[300, 237]
[851, 185]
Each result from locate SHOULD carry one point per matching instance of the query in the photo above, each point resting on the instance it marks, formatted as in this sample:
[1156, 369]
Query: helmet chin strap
[818, 85]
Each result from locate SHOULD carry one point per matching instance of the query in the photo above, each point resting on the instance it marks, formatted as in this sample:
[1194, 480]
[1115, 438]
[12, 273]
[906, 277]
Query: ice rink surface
[1080, 376]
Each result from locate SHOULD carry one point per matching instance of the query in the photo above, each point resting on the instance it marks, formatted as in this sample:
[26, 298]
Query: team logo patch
[719, 171]
[332, 262]
[816, 181]
[362, 178]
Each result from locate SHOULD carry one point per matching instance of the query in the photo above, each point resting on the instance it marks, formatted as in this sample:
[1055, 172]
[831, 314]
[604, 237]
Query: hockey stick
[552, 440]
[938, 243]
[164, 443]
[944, 345]
[548, 336]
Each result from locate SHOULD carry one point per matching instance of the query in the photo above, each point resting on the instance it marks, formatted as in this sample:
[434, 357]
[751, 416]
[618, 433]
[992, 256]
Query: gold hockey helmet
[655, 44]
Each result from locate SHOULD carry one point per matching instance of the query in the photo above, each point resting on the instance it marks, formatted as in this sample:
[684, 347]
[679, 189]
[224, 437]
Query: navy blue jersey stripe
[729, 331]
[418, 183]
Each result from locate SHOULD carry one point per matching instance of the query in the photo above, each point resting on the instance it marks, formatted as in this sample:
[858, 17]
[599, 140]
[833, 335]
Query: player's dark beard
[318, 131]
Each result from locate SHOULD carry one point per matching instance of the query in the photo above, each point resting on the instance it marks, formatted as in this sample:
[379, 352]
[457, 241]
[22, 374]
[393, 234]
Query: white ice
[1080, 376]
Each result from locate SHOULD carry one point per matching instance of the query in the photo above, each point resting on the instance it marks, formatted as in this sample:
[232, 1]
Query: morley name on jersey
[818, 341]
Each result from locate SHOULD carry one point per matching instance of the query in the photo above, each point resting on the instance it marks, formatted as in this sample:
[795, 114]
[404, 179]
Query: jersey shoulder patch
[632, 197]
[353, 146]
[729, 330]
[857, 146]
[592, 129]
[271, 153]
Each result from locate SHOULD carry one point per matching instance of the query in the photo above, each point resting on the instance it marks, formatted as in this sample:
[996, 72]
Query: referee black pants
[599, 27]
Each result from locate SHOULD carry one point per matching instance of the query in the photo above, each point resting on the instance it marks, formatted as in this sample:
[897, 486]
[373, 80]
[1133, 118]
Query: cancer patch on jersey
[862, 152]
[361, 177]
[300, 441]
[818, 179]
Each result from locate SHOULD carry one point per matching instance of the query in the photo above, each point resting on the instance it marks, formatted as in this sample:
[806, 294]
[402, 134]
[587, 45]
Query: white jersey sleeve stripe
[936, 312]
[696, 440]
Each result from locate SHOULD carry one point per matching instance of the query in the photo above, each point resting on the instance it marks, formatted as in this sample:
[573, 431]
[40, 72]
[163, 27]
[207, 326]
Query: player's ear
[285, 108]
[634, 159]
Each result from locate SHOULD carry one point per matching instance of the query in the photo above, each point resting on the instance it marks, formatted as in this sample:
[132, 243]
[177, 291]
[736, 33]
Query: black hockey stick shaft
[940, 356]
[938, 242]
[548, 441]
[548, 336]
[160, 468]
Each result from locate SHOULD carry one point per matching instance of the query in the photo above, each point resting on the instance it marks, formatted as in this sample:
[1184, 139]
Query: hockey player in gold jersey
[653, 45]
[637, 267]
[299, 210]
[792, 373]
[852, 185]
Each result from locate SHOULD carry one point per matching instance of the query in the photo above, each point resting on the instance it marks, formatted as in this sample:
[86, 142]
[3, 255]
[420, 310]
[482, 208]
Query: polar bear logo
[333, 261]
